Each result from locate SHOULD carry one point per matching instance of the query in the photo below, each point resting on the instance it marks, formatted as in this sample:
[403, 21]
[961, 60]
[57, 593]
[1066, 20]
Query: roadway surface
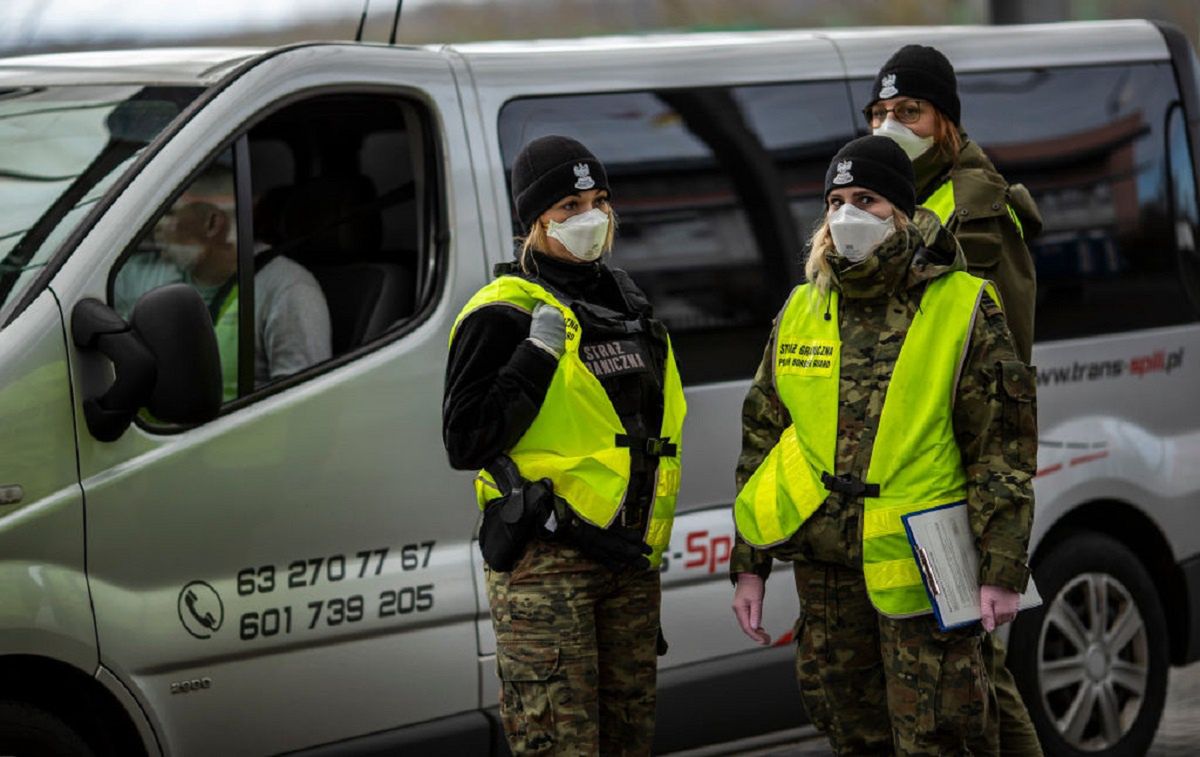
[1178, 733]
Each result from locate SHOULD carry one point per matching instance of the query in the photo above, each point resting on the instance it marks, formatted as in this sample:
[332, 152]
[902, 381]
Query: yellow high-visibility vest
[915, 459]
[226, 328]
[573, 439]
[941, 202]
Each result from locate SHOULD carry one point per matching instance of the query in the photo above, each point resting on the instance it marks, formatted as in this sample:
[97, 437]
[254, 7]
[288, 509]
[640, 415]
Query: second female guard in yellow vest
[914, 101]
[562, 388]
[889, 385]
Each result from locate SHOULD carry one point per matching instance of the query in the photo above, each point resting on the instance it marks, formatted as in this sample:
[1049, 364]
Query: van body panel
[496, 240]
[264, 564]
[1112, 427]
[987, 48]
[44, 604]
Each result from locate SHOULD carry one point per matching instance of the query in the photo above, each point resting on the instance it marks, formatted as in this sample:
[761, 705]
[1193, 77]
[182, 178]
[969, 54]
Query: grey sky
[32, 21]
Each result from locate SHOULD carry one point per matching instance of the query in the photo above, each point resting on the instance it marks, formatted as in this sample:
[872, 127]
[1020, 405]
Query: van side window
[338, 186]
[704, 227]
[194, 241]
[1090, 143]
[334, 234]
[802, 126]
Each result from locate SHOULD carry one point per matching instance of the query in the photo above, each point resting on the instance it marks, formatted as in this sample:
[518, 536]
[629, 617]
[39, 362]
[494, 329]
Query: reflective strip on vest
[572, 439]
[941, 203]
[915, 459]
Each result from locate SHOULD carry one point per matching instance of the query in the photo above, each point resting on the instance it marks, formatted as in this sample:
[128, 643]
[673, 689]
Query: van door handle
[11, 494]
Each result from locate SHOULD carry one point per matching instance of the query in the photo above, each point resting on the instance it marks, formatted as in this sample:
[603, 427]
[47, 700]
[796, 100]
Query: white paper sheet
[945, 550]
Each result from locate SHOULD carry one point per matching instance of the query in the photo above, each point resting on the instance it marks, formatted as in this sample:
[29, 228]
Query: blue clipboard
[925, 577]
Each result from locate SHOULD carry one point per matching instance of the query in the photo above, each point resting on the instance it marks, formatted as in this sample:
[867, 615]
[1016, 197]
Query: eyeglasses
[905, 111]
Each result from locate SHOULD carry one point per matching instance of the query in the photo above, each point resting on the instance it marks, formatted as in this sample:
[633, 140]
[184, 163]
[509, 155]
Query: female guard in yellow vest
[562, 388]
[914, 101]
[889, 385]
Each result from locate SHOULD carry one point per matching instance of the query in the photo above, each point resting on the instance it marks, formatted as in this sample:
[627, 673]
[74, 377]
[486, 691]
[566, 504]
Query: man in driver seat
[196, 240]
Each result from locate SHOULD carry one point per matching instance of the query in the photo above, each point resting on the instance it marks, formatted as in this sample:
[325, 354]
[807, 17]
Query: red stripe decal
[783, 640]
[1089, 458]
[1048, 470]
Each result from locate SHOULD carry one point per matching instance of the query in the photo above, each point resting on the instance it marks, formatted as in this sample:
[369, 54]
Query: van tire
[29, 731]
[1077, 574]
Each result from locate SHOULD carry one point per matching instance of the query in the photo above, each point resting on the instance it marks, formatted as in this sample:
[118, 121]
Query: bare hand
[747, 606]
[997, 606]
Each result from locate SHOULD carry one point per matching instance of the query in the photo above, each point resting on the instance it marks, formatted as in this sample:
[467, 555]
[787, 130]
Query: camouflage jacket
[995, 248]
[995, 419]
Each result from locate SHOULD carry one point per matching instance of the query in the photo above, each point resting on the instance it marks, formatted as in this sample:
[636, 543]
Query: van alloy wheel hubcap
[1093, 661]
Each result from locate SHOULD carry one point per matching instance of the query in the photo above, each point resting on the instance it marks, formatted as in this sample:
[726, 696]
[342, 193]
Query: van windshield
[61, 148]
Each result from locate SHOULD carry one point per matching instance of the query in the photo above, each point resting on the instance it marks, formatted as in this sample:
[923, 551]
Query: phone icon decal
[200, 609]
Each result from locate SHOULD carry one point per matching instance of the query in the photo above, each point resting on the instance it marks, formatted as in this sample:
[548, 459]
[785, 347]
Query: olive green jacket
[994, 412]
[996, 248]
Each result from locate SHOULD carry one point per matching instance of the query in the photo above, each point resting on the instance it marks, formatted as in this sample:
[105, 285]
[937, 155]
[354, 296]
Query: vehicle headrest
[335, 217]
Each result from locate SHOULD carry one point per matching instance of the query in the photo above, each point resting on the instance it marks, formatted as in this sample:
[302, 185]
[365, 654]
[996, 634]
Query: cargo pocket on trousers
[526, 708]
[1018, 391]
[960, 693]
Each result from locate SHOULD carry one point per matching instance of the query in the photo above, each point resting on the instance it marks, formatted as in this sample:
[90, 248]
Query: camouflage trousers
[1018, 737]
[576, 653]
[875, 685]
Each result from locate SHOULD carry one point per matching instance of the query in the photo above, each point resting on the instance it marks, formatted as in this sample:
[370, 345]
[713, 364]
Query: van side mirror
[165, 359]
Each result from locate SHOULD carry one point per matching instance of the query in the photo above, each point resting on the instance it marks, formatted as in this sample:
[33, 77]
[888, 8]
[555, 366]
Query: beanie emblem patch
[843, 172]
[583, 176]
[887, 87]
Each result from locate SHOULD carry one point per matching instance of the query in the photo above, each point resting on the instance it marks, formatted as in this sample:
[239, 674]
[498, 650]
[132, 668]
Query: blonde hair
[946, 136]
[536, 240]
[817, 269]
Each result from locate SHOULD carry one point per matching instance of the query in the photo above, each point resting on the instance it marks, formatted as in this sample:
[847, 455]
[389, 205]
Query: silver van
[227, 523]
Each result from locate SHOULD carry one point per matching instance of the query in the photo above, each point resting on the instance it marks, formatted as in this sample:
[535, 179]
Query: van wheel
[1092, 661]
[29, 731]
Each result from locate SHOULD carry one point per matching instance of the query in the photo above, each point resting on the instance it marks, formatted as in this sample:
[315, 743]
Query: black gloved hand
[613, 548]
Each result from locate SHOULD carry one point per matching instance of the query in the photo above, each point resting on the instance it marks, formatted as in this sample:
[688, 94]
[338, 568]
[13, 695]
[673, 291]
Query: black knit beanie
[878, 164]
[547, 170]
[922, 72]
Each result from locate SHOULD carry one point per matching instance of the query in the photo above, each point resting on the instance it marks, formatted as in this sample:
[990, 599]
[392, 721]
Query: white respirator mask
[912, 145]
[182, 256]
[856, 233]
[583, 235]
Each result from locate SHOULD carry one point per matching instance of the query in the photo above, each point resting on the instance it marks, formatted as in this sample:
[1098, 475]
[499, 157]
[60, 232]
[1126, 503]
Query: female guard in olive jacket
[914, 101]
[562, 388]
[889, 385]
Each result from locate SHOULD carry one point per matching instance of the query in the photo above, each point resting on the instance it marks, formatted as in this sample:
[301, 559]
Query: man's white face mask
[182, 255]
[583, 235]
[856, 233]
[912, 145]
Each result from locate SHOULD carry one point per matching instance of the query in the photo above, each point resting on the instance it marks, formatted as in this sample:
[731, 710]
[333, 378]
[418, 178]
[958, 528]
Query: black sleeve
[495, 384]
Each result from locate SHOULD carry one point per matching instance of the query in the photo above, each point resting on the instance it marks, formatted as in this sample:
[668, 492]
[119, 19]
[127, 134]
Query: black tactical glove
[615, 548]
